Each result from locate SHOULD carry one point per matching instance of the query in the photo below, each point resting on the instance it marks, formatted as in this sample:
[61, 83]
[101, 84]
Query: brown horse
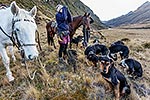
[84, 20]
[51, 31]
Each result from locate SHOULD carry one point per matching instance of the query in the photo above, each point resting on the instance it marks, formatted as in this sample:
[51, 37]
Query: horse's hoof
[11, 78]
[12, 82]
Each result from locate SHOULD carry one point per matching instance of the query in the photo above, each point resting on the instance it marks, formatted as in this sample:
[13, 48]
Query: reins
[11, 38]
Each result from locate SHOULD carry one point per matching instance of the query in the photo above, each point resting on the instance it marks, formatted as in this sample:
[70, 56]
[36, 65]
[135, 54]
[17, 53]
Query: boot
[61, 60]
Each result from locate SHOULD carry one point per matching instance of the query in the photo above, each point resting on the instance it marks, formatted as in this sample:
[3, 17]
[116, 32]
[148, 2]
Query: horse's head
[86, 21]
[86, 28]
[24, 28]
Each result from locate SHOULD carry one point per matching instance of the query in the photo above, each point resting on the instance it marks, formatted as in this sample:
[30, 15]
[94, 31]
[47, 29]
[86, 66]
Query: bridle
[14, 33]
[19, 44]
[82, 22]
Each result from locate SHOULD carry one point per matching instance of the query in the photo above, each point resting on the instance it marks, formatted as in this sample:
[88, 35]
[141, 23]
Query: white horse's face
[25, 28]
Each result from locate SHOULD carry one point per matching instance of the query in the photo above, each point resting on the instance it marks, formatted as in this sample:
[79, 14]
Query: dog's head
[126, 90]
[105, 64]
[92, 57]
[123, 64]
[113, 56]
[80, 38]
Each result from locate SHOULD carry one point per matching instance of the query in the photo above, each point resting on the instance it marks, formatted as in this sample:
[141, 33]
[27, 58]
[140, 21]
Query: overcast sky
[108, 9]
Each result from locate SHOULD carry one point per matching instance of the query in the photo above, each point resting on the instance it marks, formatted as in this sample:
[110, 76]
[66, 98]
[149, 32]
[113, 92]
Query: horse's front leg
[71, 42]
[52, 42]
[6, 62]
[12, 53]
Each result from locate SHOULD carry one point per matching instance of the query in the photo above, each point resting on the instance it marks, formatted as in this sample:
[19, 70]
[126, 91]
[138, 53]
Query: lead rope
[38, 36]
[33, 75]
[11, 38]
[26, 65]
[20, 49]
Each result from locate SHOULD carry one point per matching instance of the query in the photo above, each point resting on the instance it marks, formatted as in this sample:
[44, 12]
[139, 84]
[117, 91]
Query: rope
[38, 35]
[33, 75]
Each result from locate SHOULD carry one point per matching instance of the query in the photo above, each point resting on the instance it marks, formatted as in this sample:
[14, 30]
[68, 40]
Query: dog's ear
[96, 58]
[111, 60]
[100, 59]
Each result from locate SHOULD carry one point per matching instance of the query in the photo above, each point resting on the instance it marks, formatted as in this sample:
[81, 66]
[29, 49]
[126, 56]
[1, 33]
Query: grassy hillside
[48, 8]
[54, 81]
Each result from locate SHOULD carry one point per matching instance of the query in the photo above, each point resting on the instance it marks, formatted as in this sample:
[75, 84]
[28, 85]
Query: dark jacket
[63, 19]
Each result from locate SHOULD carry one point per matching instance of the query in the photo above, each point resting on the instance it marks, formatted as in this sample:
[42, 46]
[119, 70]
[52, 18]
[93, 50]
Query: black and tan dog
[93, 58]
[117, 42]
[93, 51]
[97, 48]
[77, 39]
[118, 48]
[114, 77]
[134, 67]
[72, 59]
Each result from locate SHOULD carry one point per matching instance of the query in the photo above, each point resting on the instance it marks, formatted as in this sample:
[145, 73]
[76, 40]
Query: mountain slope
[140, 15]
[54, 81]
[47, 7]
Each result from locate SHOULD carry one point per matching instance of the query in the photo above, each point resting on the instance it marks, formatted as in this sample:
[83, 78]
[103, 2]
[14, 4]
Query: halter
[14, 36]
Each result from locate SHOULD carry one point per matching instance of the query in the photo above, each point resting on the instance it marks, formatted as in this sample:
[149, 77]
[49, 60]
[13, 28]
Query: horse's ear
[88, 14]
[33, 11]
[14, 8]
[85, 14]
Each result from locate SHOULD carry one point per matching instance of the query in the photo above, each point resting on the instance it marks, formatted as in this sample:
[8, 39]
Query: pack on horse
[84, 20]
[17, 27]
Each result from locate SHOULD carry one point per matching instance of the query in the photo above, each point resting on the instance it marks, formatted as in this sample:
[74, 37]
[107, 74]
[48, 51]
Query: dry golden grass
[58, 82]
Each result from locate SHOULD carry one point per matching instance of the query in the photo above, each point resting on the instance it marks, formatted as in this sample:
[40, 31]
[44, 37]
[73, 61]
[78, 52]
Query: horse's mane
[76, 17]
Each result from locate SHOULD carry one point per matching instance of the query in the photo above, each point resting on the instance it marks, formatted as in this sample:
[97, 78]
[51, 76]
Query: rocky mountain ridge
[48, 8]
[140, 15]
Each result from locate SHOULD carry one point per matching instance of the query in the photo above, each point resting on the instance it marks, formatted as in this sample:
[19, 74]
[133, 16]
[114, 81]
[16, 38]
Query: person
[63, 18]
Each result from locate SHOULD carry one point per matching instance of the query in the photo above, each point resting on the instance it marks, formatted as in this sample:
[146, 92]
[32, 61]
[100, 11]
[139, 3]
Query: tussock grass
[32, 93]
[125, 39]
[137, 48]
[146, 45]
[53, 83]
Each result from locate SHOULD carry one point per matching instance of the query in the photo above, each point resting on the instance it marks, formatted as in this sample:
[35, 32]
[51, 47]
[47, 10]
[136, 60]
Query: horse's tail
[48, 35]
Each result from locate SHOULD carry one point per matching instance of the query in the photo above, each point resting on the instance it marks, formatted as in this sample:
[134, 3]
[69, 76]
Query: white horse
[17, 26]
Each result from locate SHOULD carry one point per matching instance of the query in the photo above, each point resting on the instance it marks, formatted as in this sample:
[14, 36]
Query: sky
[108, 9]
